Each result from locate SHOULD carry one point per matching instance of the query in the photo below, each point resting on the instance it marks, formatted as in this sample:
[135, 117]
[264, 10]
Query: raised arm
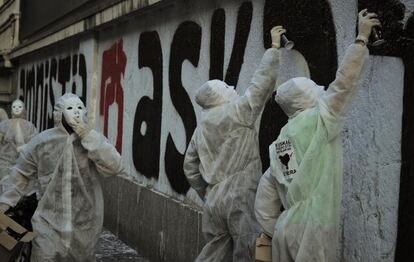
[192, 169]
[341, 90]
[262, 83]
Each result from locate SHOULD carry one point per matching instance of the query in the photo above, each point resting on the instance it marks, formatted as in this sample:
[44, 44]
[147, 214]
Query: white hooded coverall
[223, 155]
[69, 215]
[14, 133]
[306, 166]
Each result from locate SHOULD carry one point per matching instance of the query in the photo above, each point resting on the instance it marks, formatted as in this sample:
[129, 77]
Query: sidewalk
[111, 249]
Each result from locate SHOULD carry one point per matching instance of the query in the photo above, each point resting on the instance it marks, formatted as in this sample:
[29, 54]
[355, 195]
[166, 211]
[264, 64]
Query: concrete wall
[139, 77]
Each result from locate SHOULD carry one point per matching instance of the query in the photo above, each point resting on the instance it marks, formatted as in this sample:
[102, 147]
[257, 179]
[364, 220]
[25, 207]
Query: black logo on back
[285, 160]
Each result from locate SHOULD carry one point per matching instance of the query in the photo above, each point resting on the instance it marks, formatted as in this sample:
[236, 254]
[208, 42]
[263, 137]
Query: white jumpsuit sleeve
[267, 205]
[342, 89]
[24, 170]
[262, 84]
[106, 158]
[192, 169]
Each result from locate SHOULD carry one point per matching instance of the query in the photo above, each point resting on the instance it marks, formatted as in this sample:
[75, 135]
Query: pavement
[111, 249]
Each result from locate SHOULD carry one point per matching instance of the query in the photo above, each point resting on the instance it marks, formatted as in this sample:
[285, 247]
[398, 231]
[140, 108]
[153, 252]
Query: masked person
[66, 160]
[306, 161]
[14, 133]
[223, 159]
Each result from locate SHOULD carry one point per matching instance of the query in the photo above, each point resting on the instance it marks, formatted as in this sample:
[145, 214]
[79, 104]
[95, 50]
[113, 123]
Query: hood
[297, 95]
[214, 93]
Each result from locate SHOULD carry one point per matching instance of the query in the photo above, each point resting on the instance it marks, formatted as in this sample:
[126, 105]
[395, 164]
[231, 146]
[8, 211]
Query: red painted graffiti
[113, 70]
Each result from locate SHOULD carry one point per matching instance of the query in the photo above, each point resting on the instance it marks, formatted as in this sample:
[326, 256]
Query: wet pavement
[111, 249]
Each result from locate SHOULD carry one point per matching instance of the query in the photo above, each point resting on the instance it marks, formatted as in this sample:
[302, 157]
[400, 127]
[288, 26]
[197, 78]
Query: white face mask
[74, 110]
[17, 107]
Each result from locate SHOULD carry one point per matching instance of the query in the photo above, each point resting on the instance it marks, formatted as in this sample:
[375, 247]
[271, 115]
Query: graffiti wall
[148, 77]
[140, 77]
[155, 71]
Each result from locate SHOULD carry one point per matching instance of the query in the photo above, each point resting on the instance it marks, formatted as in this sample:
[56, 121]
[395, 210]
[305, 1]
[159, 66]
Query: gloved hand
[276, 32]
[366, 21]
[4, 207]
[263, 248]
[81, 129]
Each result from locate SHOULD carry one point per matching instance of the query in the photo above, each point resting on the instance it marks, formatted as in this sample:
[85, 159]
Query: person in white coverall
[14, 133]
[66, 161]
[223, 159]
[305, 175]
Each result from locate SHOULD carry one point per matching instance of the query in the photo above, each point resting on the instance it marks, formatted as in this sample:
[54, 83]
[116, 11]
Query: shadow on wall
[405, 238]
[400, 43]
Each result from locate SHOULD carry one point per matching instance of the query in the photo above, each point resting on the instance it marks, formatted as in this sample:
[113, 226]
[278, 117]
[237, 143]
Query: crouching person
[222, 162]
[305, 175]
[66, 161]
